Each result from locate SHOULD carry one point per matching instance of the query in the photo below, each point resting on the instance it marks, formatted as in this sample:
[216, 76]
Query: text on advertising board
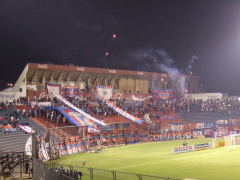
[182, 149]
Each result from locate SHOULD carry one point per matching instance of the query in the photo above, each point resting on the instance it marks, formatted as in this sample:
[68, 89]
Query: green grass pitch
[156, 159]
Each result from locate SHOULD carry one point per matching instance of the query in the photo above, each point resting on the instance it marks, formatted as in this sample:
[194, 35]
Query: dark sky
[78, 32]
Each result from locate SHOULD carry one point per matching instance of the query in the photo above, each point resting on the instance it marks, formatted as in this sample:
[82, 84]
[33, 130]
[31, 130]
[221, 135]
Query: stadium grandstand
[59, 110]
[33, 79]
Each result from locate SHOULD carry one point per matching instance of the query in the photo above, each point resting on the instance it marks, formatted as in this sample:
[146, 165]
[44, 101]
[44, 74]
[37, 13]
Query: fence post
[140, 176]
[91, 173]
[53, 164]
[69, 132]
[53, 140]
[20, 167]
[114, 175]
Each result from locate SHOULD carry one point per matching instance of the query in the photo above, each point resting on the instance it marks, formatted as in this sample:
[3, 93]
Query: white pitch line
[106, 175]
[198, 155]
[216, 162]
[141, 164]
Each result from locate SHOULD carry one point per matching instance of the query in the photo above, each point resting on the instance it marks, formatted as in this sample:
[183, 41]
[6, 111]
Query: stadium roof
[73, 73]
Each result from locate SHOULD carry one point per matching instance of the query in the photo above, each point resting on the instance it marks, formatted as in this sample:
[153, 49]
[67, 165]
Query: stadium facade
[32, 80]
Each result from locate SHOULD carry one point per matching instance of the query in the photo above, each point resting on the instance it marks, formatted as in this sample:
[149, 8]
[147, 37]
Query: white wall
[204, 96]
[6, 96]
[32, 87]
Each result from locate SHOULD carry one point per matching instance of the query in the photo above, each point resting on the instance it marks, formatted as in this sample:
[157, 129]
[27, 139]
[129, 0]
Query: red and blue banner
[143, 138]
[133, 138]
[105, 91]
[74, 107]
[118, 110]
[197, 132]
[61, 146]
[168, 94]
[176, 127]
[26, 129]
[209, 125]
[10, 128]
[39, 139]
[171, 117]
[82, 146]
[69, 148]
[71, 91]
[222, 122]
[193, 125]
[79, 120]
[55, 87]
[200, 125]
[169, 136]
[73, 147]
[207, 132]
[127, 126]
[47, 137]
[234, 121]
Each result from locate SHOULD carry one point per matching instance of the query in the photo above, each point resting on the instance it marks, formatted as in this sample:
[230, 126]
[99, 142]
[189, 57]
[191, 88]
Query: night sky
[150, 35]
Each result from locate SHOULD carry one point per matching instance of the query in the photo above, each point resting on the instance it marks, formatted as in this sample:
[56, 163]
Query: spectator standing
[35, 113]
[23, 112]
[26, 167]
[64, 119]
[29, 112]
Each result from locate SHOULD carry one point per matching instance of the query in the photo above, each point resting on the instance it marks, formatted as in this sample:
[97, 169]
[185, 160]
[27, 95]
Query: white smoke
[190, 64]
[159, 60]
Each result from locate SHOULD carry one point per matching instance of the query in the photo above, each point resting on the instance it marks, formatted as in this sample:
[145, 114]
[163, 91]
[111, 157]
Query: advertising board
[182, 149]
[198, 147]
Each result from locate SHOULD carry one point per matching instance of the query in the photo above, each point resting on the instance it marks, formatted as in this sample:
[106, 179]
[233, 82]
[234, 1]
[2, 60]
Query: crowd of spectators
[100, 110]
[71, 173]
[211, 105]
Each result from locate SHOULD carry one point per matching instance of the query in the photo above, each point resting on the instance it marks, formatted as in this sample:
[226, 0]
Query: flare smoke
[158, 59]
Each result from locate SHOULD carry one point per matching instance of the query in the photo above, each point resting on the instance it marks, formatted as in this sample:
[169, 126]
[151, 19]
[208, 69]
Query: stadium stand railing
[91, 144]
[94, 173]
[41, 170]
[14, 165]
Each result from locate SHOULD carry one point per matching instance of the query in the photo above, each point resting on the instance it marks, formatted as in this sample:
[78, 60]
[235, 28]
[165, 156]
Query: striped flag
[168, 94]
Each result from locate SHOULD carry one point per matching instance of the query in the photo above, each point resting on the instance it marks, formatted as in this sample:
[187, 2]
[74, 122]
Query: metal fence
[101, 174]
[16, 164]
[42, 171]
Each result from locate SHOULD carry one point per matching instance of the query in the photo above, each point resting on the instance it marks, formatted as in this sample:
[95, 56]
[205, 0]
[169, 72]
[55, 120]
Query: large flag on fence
[168, 94]
[105, 91]
[71, 91]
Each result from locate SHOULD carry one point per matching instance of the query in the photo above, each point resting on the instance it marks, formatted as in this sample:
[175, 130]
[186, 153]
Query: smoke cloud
[158, 60]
